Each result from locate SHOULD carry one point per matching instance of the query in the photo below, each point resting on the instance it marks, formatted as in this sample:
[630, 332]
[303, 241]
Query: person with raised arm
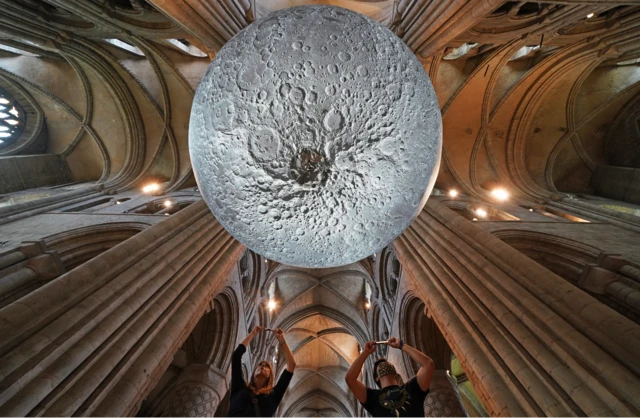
[392, 399]
[258, 398]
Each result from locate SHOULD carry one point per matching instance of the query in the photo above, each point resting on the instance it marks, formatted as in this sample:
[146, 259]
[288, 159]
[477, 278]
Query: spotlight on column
[453, 193]
[481, 213]
[150, 188]
[271, 305]
[367, 305]
[500, 194]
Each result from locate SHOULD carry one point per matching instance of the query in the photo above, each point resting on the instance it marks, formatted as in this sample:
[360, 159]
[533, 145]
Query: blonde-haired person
[259, 398]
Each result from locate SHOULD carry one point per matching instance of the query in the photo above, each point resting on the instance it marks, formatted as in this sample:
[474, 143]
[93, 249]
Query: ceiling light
[475, 219]
[118, 202]
[590, 15]
[481, 213]
[500, 194]
[530, 210]
[271, 304]
[367, 305]
[168, 203]
[153, 187]
[453, 193]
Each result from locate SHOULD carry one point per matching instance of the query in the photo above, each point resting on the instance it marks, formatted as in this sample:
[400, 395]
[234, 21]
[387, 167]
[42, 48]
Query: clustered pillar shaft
[97, 339]
[531, 343]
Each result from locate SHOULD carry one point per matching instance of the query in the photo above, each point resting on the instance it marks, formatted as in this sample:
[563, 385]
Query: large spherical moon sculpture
[315, 136]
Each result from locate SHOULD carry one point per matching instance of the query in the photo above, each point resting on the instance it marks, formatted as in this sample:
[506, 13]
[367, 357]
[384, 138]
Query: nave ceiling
[533, 97]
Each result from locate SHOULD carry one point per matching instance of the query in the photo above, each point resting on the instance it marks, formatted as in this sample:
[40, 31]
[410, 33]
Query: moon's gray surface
[315, 136]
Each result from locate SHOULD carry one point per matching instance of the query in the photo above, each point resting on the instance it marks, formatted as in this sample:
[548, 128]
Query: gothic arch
[582, 265]
[212, 340]
[421, 332]
[388, 270]
[33, 137]
[565, 257]
[80, 245]
[250, 266]
[338, 406]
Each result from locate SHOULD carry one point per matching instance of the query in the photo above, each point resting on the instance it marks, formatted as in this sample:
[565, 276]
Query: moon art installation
[315, 136]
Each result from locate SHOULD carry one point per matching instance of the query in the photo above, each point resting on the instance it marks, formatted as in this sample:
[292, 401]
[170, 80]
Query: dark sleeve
[237, 379]
[372, 399]
[416, 393]
[281, 387]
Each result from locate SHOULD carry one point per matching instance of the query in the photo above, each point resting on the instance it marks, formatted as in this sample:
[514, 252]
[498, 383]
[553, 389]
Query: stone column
[443, 399]
[531, 343]
[197, 393]
[96, 340]
[26, 268]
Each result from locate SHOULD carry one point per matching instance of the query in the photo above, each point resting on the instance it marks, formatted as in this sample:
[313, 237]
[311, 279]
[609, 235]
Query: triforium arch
[77, 246]
[212, 340]
[421, 332]
[587, 267]
[196, 382]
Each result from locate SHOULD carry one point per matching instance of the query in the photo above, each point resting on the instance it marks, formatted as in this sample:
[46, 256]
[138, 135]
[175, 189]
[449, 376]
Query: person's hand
[279, 333]
[257, 329]
[393, 342]
[369, 347]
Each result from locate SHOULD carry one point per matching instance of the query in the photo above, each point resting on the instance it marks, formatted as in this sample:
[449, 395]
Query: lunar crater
[315, 136]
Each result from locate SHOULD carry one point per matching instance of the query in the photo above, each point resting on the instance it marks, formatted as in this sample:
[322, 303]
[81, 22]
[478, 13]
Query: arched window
[11, 119]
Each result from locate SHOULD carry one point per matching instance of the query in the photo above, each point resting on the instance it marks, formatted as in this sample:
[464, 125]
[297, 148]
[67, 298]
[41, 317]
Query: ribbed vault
[323, 314]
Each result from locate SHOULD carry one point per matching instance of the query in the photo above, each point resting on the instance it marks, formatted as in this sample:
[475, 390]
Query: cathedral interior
[122, 295]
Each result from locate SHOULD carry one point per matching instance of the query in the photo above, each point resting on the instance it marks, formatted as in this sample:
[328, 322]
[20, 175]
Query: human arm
[357, 387]
[288, 355]
[427, 366]
[255, 331]
[237, 379]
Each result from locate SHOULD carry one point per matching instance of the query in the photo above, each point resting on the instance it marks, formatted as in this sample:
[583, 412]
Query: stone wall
[32, 171]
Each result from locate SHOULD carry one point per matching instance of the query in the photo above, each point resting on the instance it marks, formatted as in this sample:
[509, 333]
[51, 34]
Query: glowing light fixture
[500, 194]
[590, 15]
[481, 213]
[168, 203]
[475, 219]
[149, 188]
[367, 305]
[271, 304]
[453, 193]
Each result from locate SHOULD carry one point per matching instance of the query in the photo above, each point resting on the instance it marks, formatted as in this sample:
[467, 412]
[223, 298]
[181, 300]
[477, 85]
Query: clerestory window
[11, 119]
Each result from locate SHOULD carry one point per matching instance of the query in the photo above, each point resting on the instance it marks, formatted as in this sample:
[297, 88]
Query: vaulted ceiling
[323, 312]
[533, 96]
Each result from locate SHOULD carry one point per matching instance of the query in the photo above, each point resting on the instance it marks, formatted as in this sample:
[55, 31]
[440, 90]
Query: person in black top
[259, 398]
[392, 399]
